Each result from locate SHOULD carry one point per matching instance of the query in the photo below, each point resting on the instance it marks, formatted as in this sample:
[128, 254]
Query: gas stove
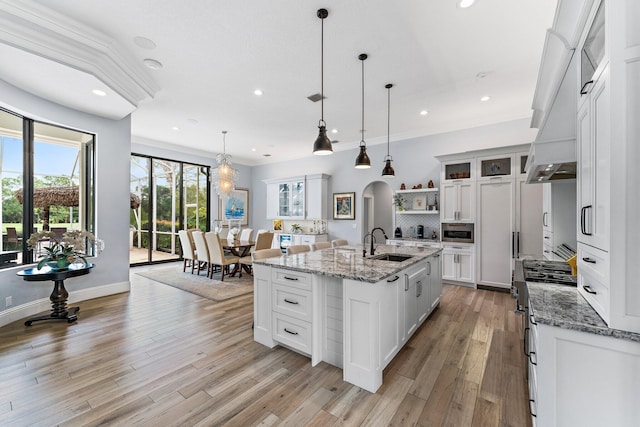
[543, 271]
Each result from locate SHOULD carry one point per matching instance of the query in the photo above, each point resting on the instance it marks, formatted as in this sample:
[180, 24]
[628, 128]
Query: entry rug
[212, 289]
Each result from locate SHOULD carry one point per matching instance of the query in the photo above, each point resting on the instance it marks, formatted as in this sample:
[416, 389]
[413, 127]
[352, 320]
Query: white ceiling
[216, 53]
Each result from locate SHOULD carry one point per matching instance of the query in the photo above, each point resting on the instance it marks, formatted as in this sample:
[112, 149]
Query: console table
[59, 296]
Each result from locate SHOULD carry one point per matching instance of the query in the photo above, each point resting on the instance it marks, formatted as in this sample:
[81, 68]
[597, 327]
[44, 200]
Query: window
[46, 176]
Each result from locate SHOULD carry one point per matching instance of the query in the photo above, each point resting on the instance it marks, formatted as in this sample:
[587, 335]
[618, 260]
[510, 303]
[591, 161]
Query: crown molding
[36, 29]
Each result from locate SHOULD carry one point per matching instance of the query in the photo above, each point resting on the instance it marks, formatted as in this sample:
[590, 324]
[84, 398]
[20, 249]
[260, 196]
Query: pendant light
[224, 177]
[322, 146]
[388, 171]
[362, 161]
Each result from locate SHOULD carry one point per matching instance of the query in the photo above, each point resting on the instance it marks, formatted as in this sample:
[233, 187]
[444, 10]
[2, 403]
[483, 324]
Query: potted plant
[70, 249]
[399, 201]
[296, 228]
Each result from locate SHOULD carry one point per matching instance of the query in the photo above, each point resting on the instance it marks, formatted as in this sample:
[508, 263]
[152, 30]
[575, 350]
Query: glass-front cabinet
[291, 199]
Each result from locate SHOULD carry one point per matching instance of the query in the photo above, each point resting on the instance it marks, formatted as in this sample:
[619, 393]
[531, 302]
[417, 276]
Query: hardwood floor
[163, 357]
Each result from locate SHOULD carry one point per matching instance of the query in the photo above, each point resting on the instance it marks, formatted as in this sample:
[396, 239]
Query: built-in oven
[457, 232]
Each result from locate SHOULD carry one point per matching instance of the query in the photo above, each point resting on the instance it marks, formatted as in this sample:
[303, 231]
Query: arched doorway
[377, 208]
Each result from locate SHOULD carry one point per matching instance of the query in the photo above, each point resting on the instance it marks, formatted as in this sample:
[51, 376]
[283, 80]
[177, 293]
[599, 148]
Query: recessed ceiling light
[334, 141]
[144, 42]
[176, 128]
[463, 4]
[334, 130]
[152, 63]
[424, 112]
[99, 92]
[267, 155]
[257, 92]
[253, 149]
[485, 98]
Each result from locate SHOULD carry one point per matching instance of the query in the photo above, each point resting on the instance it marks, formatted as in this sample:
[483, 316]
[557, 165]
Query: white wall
[112, 205]
[414, 163]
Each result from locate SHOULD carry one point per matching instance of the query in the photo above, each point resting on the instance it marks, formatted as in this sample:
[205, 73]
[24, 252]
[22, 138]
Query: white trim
[44, 304]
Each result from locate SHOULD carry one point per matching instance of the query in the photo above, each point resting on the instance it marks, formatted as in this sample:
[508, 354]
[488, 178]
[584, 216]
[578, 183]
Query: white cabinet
[458, 264]
[413, 284]
[308, 239]
[582, 379]
[495, 231]
[508, 223]
[434, 276]
[594, 157]
[458, 201]
[301, 197]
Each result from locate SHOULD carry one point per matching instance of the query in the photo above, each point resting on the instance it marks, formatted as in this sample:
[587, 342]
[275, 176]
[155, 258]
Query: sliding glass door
[173, 196]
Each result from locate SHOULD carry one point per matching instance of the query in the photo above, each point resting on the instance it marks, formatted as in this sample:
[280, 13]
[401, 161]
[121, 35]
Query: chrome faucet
[373, 239]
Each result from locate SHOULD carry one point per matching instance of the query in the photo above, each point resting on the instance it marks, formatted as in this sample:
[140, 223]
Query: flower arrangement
[296, 228]
[399, 201]
[234, 232]
[70, 249]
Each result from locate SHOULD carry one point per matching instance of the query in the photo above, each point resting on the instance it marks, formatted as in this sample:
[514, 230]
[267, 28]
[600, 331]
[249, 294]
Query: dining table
[239, 248]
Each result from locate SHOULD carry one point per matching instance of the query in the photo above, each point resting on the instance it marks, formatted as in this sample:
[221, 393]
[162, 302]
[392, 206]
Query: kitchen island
[350, 311]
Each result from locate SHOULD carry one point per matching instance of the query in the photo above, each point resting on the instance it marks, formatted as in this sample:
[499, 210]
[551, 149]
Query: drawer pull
[524, 342]
[546, 237]
[531, 354]
[588, 289]
[532, 319]
[393, 280]
[290, 332]
[291, 302]
[589, 260]
[290, 278]
[531, 410]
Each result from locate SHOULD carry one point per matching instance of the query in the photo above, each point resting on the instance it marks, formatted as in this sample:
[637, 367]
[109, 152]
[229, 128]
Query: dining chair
[217, 254]
[266, 253]
[298, 249]
[339, 242]
[246, 234]
[188, 253]
[320, 245]
[263, 241]
[202, 251]
[12, 237]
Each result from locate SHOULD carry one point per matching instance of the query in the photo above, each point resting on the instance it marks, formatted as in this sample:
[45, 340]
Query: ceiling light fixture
[99, 92]
[257, 92]
[322, 145]
[362, 161]
[424, 112]
[463, 4]
[334, 130]
[224, 177]
[152, 63]
[485, 98]
[388, 171]
[176, 128]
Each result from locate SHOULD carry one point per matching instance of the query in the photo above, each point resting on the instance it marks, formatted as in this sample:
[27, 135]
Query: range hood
[552, 155]
[551, 161]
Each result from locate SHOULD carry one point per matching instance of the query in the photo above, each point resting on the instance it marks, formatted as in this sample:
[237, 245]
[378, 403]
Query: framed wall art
[344, 205]
[235, 206]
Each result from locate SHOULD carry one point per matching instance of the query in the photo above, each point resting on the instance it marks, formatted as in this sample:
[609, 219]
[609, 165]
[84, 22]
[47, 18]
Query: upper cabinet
[300, 197]
[455, 170]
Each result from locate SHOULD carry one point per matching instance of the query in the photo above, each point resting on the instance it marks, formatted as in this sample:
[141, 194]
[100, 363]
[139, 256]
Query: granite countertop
[346, 262]
[415, 239]
[564, 307]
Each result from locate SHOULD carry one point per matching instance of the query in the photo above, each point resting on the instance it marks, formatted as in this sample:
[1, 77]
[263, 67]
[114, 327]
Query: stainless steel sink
[392, 257]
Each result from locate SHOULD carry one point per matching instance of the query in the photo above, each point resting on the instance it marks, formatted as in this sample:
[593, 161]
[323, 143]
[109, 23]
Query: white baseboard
[43, 305]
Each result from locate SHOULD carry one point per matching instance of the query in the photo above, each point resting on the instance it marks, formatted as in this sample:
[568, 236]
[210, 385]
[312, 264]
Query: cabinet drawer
[594, 262]
[292, 278]
[292, 332]
[292, 300]
[595, 292]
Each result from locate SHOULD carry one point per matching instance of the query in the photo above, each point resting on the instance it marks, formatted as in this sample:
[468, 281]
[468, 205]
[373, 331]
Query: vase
[59, 264]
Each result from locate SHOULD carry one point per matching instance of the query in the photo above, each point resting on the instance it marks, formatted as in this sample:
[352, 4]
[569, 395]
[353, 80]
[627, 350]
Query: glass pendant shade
[388, 171]
[224, 177]
[322, 146]
[363, 161]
